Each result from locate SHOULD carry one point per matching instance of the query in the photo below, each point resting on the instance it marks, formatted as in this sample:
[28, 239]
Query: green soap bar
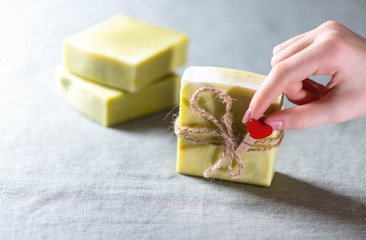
[109, 106]
[125, 53]
[194, 158]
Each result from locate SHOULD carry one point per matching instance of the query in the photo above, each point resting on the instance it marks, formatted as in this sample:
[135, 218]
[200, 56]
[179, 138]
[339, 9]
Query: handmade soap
[194, 158]
[125, 53]
[109, 106]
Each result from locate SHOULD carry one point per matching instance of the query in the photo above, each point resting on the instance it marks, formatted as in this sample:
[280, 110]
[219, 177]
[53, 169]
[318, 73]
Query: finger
[299, 96]
[294, 69]
[329, 109]
[291, 49]
[304, 92]
[283, 45]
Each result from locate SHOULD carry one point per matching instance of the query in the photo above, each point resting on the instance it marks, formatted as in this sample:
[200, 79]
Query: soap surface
[194, 158]
[125, 53]
[109, 106]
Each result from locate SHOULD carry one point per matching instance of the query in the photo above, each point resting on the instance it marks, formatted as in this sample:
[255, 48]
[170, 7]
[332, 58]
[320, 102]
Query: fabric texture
[62, 176]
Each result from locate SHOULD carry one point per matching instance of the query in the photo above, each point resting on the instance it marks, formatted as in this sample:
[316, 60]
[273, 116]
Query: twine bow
[226, 133]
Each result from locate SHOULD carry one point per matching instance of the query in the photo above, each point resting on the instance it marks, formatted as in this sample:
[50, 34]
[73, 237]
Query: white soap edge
[213, 75]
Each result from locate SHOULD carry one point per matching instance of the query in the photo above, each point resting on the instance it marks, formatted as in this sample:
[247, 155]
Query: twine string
[226, 133]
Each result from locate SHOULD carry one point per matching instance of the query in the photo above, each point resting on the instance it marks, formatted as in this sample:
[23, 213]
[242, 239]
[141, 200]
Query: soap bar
[109, 106]
[124, 53]
[194, 158]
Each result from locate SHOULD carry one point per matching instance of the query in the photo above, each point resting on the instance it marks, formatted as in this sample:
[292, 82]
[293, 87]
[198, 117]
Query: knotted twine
[230, 143]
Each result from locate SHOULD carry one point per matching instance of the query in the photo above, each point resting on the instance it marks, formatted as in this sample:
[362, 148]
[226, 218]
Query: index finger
[293, 69]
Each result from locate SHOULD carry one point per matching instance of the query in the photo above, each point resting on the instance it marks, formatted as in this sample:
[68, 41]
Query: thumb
[326, 110]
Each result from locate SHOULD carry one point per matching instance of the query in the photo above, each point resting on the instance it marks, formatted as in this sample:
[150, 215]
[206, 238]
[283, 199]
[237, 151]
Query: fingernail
[276, 125]
[247, 116]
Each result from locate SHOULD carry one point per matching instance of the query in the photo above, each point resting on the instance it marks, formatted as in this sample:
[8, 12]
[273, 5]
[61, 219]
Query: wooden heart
[258, 130]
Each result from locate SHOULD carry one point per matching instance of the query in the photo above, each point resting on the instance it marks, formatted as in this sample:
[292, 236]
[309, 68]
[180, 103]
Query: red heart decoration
[258, 129]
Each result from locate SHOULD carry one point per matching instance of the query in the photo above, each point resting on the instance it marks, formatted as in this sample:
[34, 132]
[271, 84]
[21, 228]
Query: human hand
[331, 49]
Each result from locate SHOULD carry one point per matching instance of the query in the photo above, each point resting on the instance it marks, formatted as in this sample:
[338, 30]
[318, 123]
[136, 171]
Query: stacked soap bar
[110, 106]
[194, 158]
[121, 69]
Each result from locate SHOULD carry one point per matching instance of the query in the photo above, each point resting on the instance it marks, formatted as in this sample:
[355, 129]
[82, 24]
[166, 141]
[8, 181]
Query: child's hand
[331, 49]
